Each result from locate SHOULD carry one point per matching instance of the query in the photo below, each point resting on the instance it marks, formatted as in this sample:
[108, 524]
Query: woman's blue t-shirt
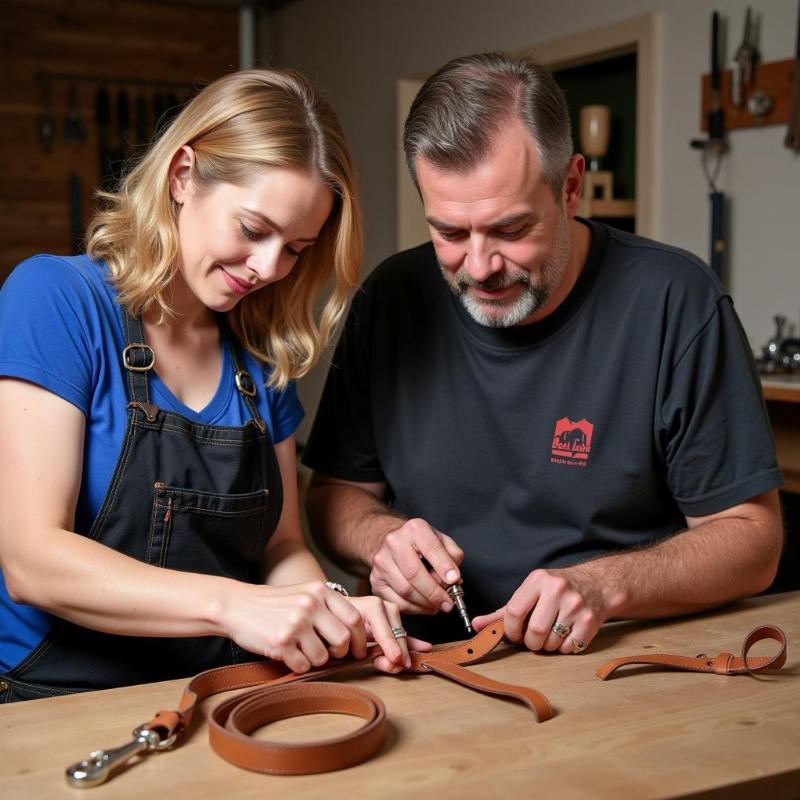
[61, 328]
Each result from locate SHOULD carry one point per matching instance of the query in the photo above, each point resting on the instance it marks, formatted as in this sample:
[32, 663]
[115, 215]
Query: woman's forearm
[89, 584]
[291, 562]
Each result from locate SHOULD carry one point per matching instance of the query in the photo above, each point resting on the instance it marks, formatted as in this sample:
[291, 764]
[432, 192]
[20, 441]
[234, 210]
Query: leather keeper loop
[722, 664]
[167, 721]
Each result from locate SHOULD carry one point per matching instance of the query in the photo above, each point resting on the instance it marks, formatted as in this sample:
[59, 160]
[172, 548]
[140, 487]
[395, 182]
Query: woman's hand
[302, 624]
[306, 624]
[380, 616]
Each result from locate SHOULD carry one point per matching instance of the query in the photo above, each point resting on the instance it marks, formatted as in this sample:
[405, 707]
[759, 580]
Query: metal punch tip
[456, 593]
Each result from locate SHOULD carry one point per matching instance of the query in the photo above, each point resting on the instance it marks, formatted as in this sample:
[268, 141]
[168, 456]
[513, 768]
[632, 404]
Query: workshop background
[89, 81]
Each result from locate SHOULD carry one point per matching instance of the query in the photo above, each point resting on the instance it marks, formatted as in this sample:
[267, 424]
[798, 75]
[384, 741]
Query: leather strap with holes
[280, 694]
[723, 664]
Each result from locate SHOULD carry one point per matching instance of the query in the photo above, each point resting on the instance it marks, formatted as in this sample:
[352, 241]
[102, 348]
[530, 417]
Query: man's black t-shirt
[600, 428]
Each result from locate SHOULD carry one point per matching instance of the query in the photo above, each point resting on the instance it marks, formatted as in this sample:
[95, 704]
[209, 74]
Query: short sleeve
[342, 440]
[285, 409]
[715, 430]
[45, 308]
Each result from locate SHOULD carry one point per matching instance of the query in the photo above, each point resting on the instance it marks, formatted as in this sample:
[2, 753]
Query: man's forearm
[715, 563]
[349, 523]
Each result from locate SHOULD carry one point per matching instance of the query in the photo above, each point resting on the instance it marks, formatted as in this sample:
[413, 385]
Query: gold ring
[399, 633]
[578, 645]
[560, 630]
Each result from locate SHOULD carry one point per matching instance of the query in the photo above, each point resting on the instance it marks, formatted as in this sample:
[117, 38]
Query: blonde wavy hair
[242, 122]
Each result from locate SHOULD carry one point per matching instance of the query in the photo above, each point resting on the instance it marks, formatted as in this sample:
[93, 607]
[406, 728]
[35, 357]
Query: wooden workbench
[644, 734]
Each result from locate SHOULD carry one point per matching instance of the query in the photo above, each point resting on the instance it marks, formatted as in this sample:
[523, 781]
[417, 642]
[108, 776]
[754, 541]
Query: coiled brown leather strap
[234, 720]
[723, 664]
[282, 694]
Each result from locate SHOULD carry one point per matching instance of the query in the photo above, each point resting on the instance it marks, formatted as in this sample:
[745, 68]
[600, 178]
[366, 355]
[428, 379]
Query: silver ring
[399, 633]
[560, 630]
[578, 645]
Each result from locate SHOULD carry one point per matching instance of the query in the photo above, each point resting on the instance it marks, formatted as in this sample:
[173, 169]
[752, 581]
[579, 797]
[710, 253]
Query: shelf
[786, 390]
[597, 197]
[607, 208]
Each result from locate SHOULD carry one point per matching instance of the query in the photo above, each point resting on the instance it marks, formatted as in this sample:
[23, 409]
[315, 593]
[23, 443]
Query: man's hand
[572, 597]
[399, 575]
[718, 558]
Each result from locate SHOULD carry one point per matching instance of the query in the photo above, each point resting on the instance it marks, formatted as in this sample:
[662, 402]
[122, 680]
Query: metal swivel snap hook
[101, 763]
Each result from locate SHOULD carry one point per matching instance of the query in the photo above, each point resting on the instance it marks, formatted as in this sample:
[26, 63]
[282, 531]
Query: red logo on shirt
[572, 442]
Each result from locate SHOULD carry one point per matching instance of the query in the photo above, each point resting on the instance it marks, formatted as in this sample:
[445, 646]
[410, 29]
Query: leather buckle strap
[723, 664]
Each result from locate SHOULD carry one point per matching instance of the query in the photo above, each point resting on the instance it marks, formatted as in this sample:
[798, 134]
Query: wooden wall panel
[165, 44]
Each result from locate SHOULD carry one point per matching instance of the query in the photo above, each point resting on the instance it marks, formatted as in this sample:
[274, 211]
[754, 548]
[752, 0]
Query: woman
[149, 523]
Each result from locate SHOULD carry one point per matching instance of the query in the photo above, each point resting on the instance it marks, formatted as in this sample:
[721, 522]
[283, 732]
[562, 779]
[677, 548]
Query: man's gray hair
[460, 109]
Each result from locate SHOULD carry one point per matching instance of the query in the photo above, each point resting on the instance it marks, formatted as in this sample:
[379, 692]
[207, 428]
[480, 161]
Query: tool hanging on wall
[792, 140]
[115, 131]
[120, 151]
[713, 148]
[46, 124]
[745, 58]
[75, 218]
[74, 131]
[141, 120]
[102, 121]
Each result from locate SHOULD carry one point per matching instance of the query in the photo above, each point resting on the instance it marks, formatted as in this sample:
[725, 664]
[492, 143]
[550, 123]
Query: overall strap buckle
[244, 383]
[138, 357]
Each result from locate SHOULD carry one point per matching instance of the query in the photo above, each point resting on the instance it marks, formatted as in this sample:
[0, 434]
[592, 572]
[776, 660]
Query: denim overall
[185, 496]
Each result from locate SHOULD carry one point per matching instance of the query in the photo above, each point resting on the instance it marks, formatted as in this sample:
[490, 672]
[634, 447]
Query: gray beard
[504, 313]
[500, 313]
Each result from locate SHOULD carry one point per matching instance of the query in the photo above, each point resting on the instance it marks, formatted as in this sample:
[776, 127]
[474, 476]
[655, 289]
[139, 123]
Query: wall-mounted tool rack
[772, 78]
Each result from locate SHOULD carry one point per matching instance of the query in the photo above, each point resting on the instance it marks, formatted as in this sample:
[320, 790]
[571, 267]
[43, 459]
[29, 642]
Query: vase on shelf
[595, 129]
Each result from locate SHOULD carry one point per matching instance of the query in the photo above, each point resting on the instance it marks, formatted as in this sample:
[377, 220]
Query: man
[569, 422]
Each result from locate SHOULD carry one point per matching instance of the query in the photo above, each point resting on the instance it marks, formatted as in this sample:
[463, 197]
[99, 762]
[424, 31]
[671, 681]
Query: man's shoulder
[656, 285]
[656, 264]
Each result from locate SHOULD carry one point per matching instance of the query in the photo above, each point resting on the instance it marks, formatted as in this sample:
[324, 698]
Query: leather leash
[281, 694]
[723, 664]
